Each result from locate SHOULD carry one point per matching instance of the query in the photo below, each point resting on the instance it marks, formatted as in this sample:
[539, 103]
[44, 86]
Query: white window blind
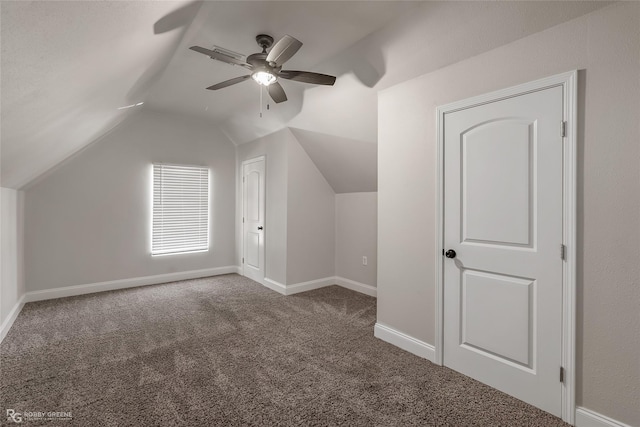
[180, 209]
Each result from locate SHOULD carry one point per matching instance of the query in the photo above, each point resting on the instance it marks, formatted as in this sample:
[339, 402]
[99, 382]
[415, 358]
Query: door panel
[252, 258]
[497, 316]
[253, 223]
[503, 217]
[253, 196]
[496, 201]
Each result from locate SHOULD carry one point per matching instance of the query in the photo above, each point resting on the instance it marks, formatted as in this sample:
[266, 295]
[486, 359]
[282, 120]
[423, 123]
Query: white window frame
[169, 176]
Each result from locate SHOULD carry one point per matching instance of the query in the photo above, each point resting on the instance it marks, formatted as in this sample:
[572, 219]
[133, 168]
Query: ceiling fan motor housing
[264, 41]
[259, 60]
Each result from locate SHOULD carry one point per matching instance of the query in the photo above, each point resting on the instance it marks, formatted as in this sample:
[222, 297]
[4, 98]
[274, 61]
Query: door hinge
[243, 176]
[243, 260]
[561, 374]
[243, 220]
[563, 252]
[563, 129]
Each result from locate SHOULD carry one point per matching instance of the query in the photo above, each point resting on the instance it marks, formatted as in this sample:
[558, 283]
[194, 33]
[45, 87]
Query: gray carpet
[226, 351]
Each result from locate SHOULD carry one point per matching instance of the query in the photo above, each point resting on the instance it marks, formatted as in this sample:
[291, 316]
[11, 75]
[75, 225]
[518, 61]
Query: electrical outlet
[364, 260]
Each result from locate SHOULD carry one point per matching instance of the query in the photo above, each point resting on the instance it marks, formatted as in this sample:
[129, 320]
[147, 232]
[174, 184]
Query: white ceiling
[324, 27]
[67, 66]
[349, 166]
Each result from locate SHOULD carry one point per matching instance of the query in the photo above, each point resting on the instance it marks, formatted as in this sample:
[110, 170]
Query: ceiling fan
[266, 68]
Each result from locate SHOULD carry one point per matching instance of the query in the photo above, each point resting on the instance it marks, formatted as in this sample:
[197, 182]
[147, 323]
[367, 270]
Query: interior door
[253, 209]
[503, 236]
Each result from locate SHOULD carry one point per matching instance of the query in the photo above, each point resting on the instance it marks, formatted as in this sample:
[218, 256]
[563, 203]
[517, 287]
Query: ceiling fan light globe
[264, 78]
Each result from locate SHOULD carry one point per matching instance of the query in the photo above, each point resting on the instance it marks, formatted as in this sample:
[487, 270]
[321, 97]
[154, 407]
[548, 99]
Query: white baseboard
[13, 314]
[69, 291]
[275, 286]
[357, 286]
[297, 287]
[405, 342]
[588, 418]
[310, 285]
[319, 283]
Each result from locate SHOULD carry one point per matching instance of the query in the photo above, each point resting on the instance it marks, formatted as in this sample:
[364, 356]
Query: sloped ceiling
[348, 165]
[67, 66]
[430, 37]
[325, 28]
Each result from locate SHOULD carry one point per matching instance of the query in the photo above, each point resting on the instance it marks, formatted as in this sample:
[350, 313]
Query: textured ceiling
[349, 166]
[335, 126]
[324, 27]
[67, 66]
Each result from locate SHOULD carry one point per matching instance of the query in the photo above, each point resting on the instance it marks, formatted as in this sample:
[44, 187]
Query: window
[180, 221]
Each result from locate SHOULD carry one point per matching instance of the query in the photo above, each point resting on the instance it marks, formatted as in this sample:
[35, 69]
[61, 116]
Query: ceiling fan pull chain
[261, 101]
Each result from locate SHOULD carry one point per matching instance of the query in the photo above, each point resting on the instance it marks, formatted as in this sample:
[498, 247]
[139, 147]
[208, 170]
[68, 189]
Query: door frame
[568, 81]
[264, 234]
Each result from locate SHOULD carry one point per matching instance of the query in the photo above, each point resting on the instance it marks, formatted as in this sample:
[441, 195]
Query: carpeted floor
[226, 351]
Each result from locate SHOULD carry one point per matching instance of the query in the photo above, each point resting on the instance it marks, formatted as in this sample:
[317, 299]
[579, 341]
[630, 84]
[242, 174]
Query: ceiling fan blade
[276, 92]
[282, 51]
[229, 82]
[307, 77]
[220, 57]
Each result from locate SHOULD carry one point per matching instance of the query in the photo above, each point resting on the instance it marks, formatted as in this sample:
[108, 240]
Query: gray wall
[310, 219]
[274, 148]
[11, 283]
[356, 236]
[605, 45]
[299, 210]
[88, 220]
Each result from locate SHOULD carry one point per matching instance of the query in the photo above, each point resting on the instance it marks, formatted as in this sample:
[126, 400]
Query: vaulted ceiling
[66, 67]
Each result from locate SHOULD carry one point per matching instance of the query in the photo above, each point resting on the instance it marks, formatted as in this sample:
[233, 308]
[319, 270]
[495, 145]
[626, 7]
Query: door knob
[260, 227]
[450, 253]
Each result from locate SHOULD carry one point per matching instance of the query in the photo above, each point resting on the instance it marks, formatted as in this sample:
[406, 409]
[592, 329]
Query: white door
[503, 218]
[253, 200]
